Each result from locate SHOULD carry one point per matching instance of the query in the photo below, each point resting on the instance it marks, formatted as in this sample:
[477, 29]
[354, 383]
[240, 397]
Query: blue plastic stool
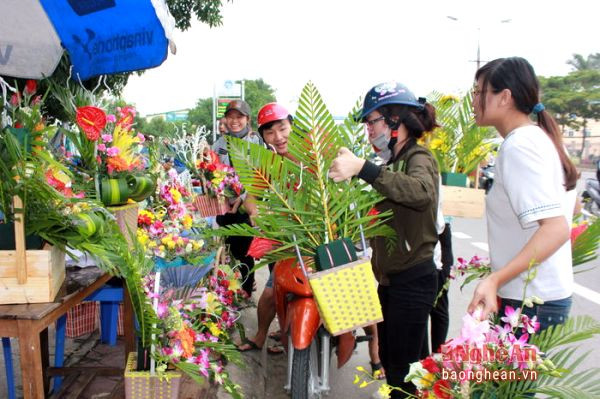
[110, 297]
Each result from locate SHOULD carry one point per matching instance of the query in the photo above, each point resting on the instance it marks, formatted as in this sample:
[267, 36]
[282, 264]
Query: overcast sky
[346, 47]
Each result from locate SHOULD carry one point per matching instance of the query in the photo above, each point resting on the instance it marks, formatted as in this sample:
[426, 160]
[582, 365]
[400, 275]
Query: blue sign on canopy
[108, 36]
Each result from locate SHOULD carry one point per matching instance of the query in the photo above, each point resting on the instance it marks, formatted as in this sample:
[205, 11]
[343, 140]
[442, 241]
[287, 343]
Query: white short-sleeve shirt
[528, 187]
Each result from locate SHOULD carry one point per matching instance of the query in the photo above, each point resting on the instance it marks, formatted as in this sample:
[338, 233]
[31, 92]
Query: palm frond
[585, 247]
[573, 330]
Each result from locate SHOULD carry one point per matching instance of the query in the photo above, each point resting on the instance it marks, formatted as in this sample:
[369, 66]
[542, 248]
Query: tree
[573, 99]
[201, 114]
[257, 93]
[207, 11]
[581, 63]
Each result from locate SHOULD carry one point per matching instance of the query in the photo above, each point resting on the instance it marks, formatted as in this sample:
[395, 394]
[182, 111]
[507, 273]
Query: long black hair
[517, 75]
[417, 121]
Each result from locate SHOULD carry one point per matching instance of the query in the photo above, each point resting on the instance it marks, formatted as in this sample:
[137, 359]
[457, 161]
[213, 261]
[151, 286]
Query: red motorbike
[308, 344]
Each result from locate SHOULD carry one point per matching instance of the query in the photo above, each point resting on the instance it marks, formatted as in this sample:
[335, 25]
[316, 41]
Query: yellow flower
[152, 244]
[427, 380]
[435, 143]
[187, 221]
[171, 244]
[234, 285]
[214, 329]
[176, 195]
[180, 241]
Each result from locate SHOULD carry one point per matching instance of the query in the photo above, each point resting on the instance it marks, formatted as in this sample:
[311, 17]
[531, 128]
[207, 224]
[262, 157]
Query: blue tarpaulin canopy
[100, 36]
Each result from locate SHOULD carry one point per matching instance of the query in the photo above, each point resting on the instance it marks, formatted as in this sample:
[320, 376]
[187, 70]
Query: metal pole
[214, 114]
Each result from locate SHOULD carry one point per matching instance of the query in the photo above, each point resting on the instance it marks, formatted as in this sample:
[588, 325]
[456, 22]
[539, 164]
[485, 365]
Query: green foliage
[201, 114]
[574, 98]
[586, 245]
[553, 341]
[257, 93]
[298, 202]
[207, 11]
[459, 145]
[580, 63]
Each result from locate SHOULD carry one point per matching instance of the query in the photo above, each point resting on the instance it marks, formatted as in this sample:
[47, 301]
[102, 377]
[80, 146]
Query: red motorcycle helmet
[270, 113]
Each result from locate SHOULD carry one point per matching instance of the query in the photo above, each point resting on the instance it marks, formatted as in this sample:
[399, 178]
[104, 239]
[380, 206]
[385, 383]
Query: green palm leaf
[298, 203]
[586, 244]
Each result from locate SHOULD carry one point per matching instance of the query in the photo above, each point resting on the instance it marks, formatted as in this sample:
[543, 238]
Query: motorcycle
[308, 344]
[486, 177]
[591, 201]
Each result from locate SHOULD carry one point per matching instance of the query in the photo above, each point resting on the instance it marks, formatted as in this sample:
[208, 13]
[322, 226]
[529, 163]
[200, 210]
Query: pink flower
[141, 137]
[530, 326]
[474, 330]
[107, 138]
[111, 118]
[113, 151]
[512, 316]
[102, 147]
[162, 310]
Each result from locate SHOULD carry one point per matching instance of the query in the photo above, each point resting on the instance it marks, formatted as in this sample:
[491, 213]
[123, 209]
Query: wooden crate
[463, 202]
[45, 275]
[29, 276]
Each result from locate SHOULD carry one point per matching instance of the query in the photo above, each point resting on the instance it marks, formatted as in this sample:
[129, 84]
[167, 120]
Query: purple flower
[107, 138]
[512, 316]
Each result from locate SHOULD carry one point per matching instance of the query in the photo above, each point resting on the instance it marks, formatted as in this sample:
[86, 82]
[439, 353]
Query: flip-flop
[377, 371]
[251, 346]
[275, 335]
[275, 350]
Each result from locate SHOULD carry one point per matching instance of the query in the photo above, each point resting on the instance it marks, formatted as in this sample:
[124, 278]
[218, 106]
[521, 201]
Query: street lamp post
[478, 60]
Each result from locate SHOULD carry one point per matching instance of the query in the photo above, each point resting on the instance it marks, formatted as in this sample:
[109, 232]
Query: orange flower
[186, 336]
[117, 164]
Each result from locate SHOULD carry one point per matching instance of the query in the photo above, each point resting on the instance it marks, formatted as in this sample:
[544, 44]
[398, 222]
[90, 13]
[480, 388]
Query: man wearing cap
[237, 121]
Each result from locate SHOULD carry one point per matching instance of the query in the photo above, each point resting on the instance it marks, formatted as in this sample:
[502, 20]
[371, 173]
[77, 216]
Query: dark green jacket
[410, 185]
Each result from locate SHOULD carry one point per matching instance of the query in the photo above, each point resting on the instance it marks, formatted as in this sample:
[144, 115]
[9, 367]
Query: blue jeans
[549, 314]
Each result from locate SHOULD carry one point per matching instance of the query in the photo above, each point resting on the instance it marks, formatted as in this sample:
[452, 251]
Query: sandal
[251, 346]
[377, 371]
[275, 335]
[275, 350]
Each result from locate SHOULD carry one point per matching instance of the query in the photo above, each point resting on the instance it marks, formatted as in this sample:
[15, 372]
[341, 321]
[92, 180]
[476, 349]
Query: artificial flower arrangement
[502, 356]
[109, 155]
[216, 186]
[194, 325]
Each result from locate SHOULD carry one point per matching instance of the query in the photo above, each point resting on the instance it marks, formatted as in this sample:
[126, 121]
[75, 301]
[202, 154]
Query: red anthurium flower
[373, 212]
[430, 365]
[576, 231]
[30, 86]
[261, 246]
[91, 120]
[441, 389]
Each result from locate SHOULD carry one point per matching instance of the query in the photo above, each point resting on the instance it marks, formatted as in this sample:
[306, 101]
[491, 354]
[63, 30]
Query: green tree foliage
[201, 114]
[207, 11]
[580, 63]
[573, 99]
[257, 93]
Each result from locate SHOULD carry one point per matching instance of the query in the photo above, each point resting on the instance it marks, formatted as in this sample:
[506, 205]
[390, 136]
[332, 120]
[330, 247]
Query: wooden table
[29, 324]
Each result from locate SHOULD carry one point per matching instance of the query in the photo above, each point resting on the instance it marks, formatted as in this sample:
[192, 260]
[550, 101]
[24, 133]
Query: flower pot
[140, 186]
[143, 385]
[114, 191]
[454, 179]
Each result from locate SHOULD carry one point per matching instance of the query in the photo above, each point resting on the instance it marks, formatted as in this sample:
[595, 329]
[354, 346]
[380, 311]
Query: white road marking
[586, 293]
[460, 235]
[481, 245]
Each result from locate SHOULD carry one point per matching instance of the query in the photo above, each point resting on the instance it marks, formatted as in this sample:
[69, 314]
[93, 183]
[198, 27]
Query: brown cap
[238, 105]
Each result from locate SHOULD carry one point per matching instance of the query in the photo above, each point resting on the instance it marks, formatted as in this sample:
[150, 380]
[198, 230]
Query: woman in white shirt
[528, 209]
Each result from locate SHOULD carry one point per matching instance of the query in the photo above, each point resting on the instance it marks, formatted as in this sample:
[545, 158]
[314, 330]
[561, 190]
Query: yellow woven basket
[347, 296]
[142, 385]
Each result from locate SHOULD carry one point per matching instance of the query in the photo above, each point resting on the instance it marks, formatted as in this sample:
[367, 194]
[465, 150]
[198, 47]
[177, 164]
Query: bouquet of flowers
[193, 329]
[216, 178]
